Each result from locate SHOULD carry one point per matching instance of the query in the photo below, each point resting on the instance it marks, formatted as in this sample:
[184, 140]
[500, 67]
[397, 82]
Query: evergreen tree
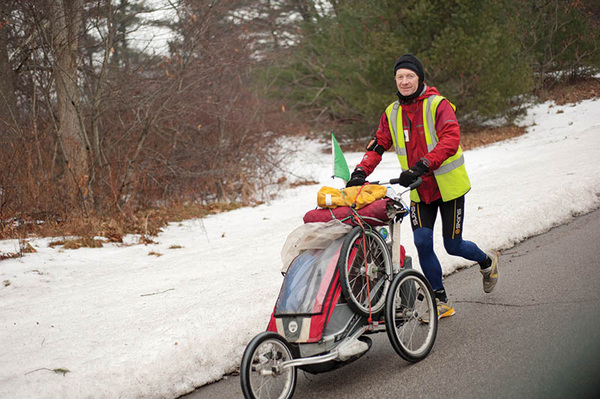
[560, 37]
[475, 60]
[342, 68]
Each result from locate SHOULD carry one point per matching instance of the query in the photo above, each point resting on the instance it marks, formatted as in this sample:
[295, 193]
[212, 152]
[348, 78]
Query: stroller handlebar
[396, 180]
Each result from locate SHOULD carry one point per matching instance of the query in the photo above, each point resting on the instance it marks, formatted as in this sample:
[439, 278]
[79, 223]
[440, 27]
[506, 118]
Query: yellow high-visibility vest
[451, 176]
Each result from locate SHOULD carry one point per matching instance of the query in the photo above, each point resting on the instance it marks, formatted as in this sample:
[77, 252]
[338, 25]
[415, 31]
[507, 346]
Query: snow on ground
[122, 321]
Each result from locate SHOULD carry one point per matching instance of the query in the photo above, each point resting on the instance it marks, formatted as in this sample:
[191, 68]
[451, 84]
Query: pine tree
[341, 69]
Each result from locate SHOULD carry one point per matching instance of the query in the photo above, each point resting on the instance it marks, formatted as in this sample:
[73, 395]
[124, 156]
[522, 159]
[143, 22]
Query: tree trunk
[8, 102]
[66, 21]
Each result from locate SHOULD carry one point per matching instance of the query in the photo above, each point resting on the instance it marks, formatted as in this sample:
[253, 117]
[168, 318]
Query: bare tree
[65, 24]
[8, 102]
[108, 128]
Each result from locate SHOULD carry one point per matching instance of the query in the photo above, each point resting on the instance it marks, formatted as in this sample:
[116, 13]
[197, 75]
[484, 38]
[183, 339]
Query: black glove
[421, 167]
[410, 176]
[357, 178]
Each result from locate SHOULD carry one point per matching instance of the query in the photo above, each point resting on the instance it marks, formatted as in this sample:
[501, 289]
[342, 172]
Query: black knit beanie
[411, 62]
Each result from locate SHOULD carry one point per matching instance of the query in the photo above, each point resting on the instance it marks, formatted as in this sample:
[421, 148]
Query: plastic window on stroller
[308, 280]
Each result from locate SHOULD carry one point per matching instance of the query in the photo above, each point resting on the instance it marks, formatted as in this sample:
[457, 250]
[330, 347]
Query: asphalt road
[536, 336]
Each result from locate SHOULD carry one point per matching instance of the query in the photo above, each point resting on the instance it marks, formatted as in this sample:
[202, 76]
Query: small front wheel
[261, 372]
[411, 315]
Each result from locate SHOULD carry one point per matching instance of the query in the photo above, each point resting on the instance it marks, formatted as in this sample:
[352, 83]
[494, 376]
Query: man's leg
[453, 214]
[427, 258]
[422, 217]
[452, 225]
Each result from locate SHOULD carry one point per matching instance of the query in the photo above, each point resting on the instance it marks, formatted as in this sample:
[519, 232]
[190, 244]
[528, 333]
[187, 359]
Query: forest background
[103, 132]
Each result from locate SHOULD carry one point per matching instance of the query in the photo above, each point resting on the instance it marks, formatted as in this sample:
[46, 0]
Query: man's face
[407, 81]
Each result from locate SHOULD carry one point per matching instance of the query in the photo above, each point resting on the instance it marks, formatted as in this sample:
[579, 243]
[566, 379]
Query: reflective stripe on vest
[399, 144]
[451, 176]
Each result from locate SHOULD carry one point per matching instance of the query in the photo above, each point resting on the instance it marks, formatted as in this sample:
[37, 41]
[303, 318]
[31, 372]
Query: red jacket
[448, 132]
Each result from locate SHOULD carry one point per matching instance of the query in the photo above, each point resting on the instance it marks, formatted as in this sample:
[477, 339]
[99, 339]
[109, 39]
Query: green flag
[340, 166]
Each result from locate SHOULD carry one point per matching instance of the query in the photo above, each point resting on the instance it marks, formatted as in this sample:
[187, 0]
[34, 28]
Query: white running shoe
[490, 275]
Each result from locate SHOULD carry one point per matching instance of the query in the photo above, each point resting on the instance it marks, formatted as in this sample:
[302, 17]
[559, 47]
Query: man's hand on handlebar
[408, 177]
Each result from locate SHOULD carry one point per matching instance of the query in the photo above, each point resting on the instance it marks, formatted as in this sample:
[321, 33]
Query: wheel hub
[372, 270]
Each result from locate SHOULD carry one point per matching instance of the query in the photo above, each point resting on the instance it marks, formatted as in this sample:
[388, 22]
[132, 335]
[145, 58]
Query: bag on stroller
[377, 213]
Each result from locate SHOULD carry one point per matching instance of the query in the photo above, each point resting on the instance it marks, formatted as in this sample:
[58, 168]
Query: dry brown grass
[82, 242]
[473, 138]
[573, 92]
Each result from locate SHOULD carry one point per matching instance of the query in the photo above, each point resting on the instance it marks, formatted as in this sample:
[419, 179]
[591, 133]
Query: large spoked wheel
[409, 306]
[364, 266]
[261, 372]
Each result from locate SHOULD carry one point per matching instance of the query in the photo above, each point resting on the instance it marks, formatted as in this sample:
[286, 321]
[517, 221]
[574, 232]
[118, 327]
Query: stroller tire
[409, 299]
[261, 374]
